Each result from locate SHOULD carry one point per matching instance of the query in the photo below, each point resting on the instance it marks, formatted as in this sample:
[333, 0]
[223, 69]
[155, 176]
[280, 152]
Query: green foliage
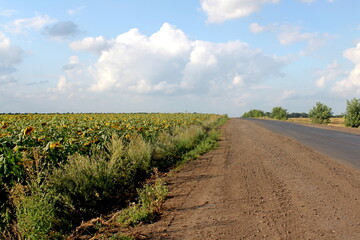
[121, 237]
[151, 198]
[298, 115]
[253, 114]
[66, 192]
[320, 114]
[36, 213]
[279, 113]
[352, 116]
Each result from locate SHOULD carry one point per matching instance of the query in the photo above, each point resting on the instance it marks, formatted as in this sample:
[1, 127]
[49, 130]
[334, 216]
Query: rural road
[260, 185]
[340, 145]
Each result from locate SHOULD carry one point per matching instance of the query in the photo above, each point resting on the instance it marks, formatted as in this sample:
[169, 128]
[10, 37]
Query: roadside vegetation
[63, 169]
[319, 114]
[352, 115]
[279, 113]
[255, 113]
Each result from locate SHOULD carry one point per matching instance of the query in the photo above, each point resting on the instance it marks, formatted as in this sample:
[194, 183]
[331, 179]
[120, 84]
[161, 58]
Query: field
[71, 164]
[336, 122]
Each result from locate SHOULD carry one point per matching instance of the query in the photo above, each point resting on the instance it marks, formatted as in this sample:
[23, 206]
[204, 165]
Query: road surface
[340, 145]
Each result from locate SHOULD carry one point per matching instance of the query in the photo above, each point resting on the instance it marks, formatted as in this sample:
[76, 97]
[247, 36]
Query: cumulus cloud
[168, 62]
[92, 44]
[351, 84]
[288, 35]
[257, 28]
[332, 72]
[21, 26]
[62, 30]
[73, 79]
[294, 35]
[10, 55]
[222, 10]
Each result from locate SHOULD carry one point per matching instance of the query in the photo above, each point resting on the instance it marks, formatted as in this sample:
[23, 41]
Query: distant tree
[298, 115]
[279, 113]
[255, 113]
[352, 115]
[320, 114]
[267, 114]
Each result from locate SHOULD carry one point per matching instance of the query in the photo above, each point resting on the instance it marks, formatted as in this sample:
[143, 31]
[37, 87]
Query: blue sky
[212, 56]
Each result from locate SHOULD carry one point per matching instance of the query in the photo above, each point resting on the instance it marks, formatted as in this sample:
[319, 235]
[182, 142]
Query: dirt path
[259, 185]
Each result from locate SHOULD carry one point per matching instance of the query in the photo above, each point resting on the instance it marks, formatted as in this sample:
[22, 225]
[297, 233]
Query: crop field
[56, 136]
[337, 122]
[41, 153]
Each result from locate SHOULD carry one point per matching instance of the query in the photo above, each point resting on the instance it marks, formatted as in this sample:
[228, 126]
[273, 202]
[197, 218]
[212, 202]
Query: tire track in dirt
[260, 185]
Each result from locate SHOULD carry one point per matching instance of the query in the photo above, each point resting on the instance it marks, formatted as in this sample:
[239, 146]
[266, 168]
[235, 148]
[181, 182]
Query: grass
[147, 209]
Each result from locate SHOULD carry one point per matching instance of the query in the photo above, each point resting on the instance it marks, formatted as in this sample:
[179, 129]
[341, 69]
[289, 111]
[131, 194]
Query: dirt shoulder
[259, 185]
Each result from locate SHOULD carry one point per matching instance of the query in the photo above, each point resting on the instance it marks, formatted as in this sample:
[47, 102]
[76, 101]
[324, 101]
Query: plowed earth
[260, 185]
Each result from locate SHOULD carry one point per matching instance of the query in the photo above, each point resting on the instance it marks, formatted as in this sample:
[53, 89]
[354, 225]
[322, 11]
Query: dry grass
[337, 122]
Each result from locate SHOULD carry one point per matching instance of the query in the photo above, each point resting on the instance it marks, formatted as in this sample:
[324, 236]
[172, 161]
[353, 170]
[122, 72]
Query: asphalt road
[339, 145]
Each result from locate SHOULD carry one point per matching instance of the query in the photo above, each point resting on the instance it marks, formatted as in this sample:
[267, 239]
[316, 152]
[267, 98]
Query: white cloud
[307, 1]
[332, 72]
[286, 94]
[294, 35]
[9, 56]
[7, 12]
[23, 25]
[257, 28]
[222, 10]
[168, 62]
[74, 79]
[351, 84]
[92, 44]
[75, 11]
[288, 35]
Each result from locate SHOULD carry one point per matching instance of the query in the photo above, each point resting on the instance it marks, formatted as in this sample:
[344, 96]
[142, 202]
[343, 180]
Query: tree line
[319, 114]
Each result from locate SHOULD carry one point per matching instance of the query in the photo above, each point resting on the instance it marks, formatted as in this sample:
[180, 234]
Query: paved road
[340, 145]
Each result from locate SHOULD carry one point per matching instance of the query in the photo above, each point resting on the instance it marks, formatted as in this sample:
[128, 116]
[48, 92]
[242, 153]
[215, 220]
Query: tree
[279, 113]
[253, 114]
[352, 115]
[320, 114]
[298, 115]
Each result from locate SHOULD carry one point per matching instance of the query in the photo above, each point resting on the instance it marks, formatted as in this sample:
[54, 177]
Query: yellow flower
[55, 145]
[28, 130]
[5, 125]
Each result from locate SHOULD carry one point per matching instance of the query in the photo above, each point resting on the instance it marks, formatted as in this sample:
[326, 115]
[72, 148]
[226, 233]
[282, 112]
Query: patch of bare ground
[259, 185]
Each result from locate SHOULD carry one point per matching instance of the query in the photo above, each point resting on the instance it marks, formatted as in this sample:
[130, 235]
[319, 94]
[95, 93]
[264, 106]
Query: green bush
[36, 213]
[253, 114]
[92, 184]
[352, 116]
[151, 198]
[320, 114]
[279, 113]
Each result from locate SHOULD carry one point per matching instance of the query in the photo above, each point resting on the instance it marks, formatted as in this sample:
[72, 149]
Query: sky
[206, 56]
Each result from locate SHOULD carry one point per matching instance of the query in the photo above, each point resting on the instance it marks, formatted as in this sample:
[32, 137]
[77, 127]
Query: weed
[151, 198]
